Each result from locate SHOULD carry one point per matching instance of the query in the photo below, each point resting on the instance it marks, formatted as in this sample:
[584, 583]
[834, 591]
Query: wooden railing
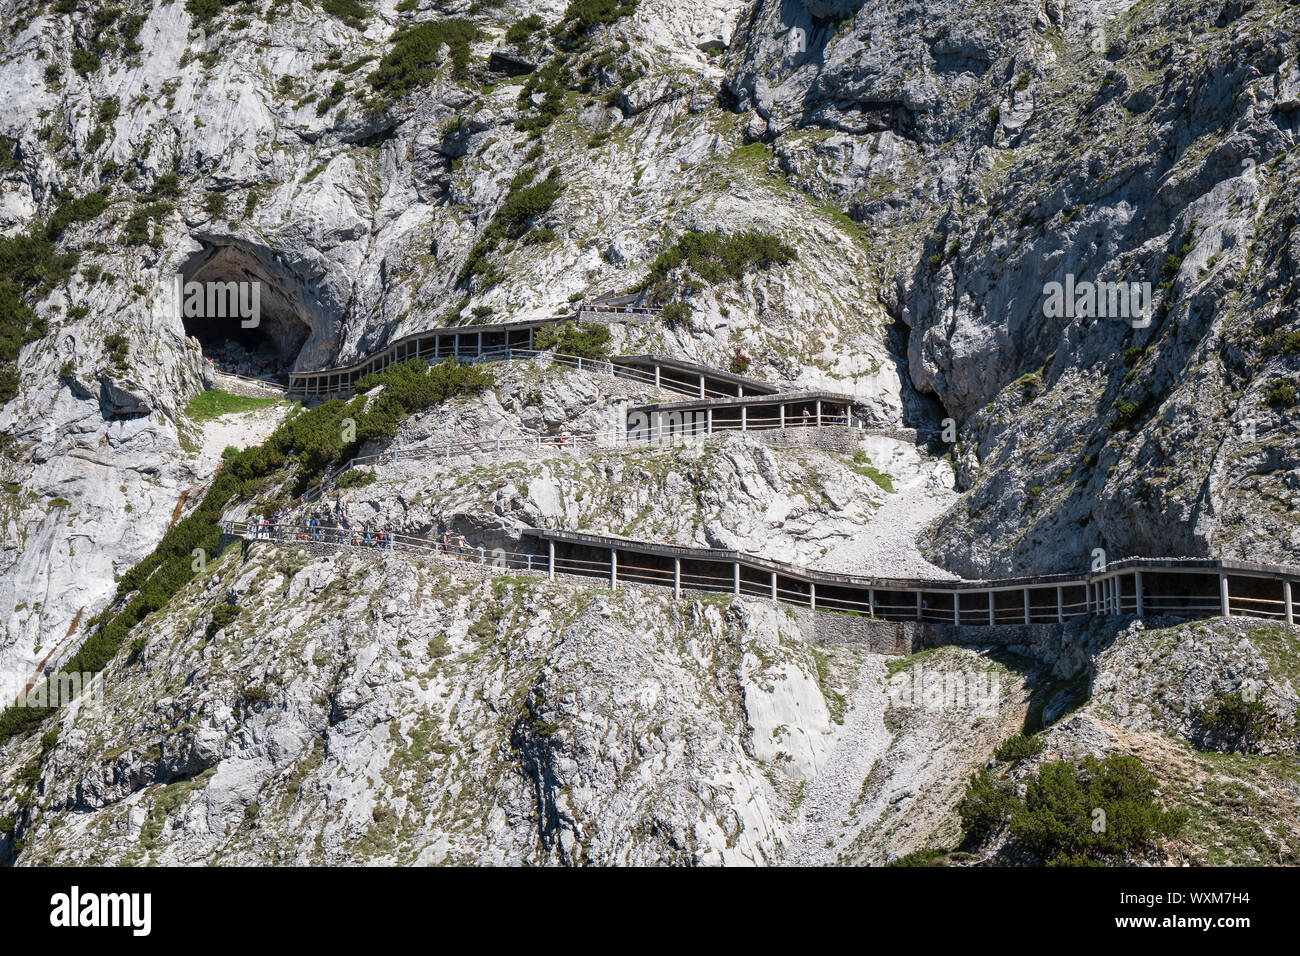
[1035, 600]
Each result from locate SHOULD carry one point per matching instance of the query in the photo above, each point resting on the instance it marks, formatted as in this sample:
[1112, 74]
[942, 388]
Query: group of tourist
[458, 549]
[264, 526]
[367, 535]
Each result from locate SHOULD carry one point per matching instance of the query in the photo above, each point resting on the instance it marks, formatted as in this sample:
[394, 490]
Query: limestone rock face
[369, 705]
[935, 165]
[357, 225]
[1009, 145]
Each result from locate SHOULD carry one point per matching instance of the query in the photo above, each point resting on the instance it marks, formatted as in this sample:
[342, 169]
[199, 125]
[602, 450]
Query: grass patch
[862, 465]
[216, 402]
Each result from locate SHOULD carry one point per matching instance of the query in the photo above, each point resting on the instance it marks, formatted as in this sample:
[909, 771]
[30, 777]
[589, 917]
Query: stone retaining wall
[837, 439]
[244, 387]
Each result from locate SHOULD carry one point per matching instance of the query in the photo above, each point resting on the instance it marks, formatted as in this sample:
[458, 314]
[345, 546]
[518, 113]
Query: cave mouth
[244, 310]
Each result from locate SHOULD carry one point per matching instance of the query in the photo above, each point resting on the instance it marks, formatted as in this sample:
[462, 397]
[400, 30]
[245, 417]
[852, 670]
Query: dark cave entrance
[244, 309]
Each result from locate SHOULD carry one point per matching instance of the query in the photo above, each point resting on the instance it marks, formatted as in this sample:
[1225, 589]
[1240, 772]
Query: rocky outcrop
[371, 710]
[358, 224]
[991, 150]
[935, 166]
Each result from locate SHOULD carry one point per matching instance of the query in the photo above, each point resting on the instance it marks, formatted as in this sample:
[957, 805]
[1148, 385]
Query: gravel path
[242, 430]
[826, 810]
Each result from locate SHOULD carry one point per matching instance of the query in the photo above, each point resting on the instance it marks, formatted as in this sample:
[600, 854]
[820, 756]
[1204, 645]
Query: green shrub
[135, 232]
[354, 478]
[582, 15]
[931, 857]
[116, 345]
[1126, 415]
[109, 109]
[223, 615]
[1133, 356]
[716, 258]
[201, 11]
[676, 312]
[351, 12]
[1247, 723]
[984, 809]
[84, 62]
[215, 205]
[1100, 811]
[1280, 394]
[568, 338]
[410, 61]
[521, 30]
[82, 209]
[1018, 747]
[165, 186]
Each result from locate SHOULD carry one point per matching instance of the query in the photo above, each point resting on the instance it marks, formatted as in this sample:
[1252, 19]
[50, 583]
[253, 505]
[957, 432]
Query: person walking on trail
[806, 416]
[446, 544]
[462, 547]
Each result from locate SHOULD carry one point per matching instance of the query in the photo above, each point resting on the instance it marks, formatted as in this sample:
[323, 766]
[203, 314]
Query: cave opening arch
[247, 311]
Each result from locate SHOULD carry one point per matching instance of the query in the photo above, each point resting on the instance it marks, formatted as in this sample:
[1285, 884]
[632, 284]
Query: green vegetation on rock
[413, 56]
[216, 402]
[570, 338]
[1093, 813]
[715, 258]
[31, 266]
[523, 204]
[301, 448]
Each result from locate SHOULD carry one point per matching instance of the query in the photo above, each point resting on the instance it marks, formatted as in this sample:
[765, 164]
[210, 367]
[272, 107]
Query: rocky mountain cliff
[384, 168]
